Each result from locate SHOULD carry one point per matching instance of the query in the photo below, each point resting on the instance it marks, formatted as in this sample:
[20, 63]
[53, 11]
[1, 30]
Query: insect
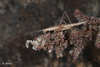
[63, 26]
[59, 27]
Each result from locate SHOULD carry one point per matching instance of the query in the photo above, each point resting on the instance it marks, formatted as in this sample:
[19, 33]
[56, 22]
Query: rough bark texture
[18, 17]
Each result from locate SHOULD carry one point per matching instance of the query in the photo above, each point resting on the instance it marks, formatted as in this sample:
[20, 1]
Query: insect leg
[69, 20]
[65, 13]
[60, 24]
[67, 16]
[61, 21]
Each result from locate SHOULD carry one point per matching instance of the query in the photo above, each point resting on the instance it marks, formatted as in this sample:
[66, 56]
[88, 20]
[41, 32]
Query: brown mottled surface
[18, 17]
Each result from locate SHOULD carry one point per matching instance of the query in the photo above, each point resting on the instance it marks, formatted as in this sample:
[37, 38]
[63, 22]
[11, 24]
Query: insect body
[62, 27]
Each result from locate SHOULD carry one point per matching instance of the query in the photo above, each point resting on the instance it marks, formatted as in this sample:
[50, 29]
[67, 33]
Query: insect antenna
[26, 34]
